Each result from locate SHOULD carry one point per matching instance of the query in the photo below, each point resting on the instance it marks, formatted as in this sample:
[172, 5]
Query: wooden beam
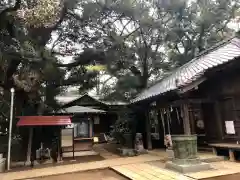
[190, 101]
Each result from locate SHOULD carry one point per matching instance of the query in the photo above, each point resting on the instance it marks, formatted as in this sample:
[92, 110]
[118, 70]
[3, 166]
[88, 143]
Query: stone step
[2, 164]
[206, 149]
[212, 159]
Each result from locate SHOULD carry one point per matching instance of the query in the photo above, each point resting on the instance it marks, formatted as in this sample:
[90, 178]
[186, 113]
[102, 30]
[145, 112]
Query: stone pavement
[27, 174]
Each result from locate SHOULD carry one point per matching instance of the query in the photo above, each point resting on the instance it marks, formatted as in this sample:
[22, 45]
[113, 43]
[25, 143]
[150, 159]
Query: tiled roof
[190, 72]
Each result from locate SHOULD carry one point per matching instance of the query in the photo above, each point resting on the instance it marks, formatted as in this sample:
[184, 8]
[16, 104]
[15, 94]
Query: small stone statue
[139, 143]
[168, 141]
[169, 146]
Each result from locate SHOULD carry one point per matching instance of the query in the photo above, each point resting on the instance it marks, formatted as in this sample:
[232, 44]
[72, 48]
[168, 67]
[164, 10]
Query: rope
[168, 118]
[163, 123]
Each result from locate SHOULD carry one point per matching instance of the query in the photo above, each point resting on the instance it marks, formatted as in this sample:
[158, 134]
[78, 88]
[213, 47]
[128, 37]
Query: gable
[87, 101]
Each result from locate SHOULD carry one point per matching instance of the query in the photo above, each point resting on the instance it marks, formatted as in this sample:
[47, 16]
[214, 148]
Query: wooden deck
[145, 171]
[223, 170]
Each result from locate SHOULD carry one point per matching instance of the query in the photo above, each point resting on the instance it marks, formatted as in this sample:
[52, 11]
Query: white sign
[67, 139]
[230, 129]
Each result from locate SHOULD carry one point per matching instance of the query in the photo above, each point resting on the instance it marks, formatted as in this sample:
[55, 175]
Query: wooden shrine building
[201, 97]
[101, 122]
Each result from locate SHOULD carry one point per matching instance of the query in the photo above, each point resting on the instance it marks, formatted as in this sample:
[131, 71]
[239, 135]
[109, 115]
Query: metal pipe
[10, 129]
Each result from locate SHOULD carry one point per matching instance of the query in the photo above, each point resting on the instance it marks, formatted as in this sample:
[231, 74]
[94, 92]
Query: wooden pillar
[73, 144]
[186, 121]
[214, 151]
[148, 131]
[91, 127]
[218, 120]
[59, 145]
[231, 156]
[29, 149]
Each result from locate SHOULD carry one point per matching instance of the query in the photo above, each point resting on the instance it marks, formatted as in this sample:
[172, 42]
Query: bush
[125, 124]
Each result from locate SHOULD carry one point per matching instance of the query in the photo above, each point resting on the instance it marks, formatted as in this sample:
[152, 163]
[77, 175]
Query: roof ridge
[234, 40]
[215, 46]
[210, 49]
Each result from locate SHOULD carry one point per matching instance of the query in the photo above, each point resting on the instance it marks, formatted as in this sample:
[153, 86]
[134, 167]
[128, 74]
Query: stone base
[27, 163]
[188, 168]
[2, 165]
[127, 152]
[170, 153]
[142, 151]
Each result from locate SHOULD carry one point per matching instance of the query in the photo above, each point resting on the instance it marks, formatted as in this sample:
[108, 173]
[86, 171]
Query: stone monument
[185, 155]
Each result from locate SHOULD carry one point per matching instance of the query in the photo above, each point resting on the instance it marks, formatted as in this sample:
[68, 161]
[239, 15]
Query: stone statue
[139, 143]
[168, 141]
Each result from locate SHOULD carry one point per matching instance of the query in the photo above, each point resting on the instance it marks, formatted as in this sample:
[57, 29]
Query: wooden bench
[230, 146]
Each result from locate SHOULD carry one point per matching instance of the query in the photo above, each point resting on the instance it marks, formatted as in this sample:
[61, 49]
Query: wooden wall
[105, 123]
[223, 89]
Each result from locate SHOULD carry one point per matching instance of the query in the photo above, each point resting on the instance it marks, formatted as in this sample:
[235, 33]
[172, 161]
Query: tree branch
[15, 8]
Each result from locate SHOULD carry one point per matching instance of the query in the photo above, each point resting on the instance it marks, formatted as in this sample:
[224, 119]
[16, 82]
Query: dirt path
[75, 168]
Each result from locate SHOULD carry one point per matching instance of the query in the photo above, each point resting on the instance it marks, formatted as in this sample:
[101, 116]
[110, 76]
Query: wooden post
[90, 127]
[214, 151]
[148, 131]
[73, 146]
[231, 155]
[29, 149]
[59, 145]
[186, 121]
[219, 120]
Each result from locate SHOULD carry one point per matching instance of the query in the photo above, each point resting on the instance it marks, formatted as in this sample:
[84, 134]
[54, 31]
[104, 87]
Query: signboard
[230, 129]
[67, 137]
